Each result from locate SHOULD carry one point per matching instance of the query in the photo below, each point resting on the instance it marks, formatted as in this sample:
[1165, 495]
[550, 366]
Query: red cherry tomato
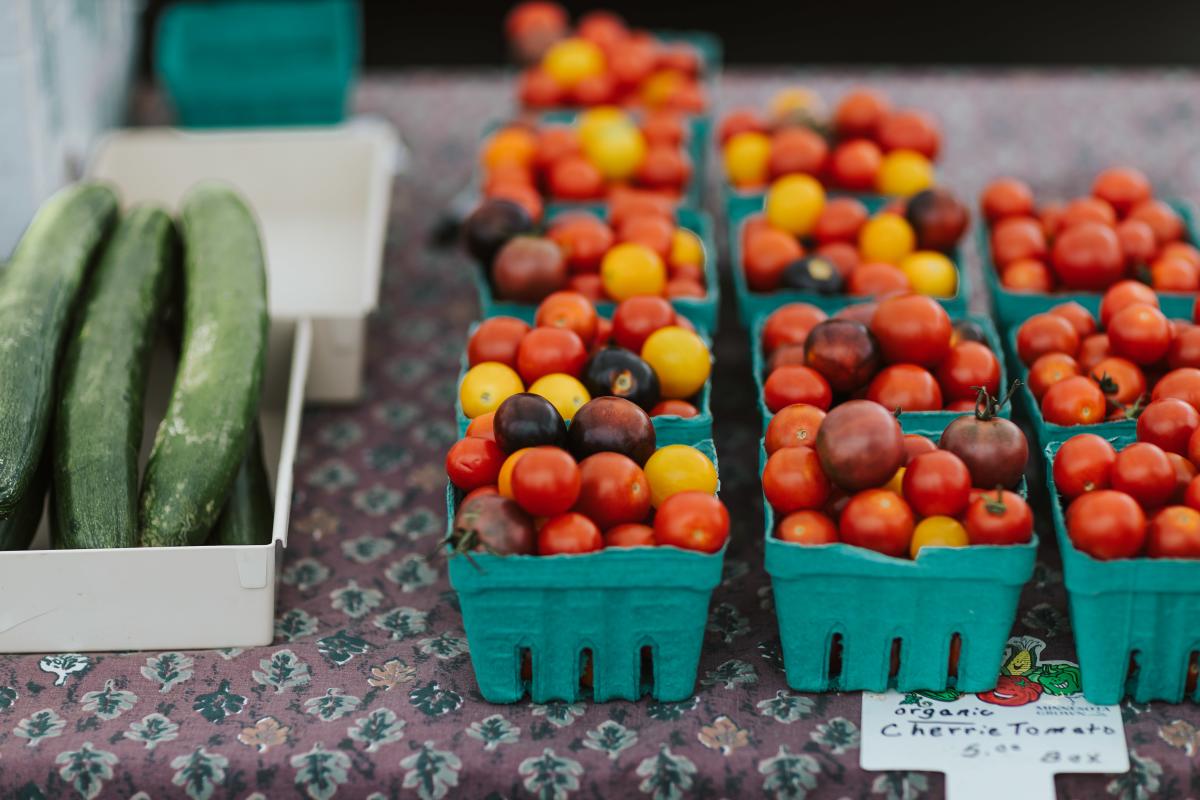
[794, 481]
[591, 286]
[584, 240]
[1074, 401]
[1174, 274]
[1191, 495]
[674, 408]
[790, 324]
[807, 527]
[1122, 187]
[1083, 464]
[968, 365]
[613, 490]
[860, 113]
[912, 329]
[1107, 524]
[1168, 423]
[794, 425]
[575, 178]
[664, 167]
[651, 230]
[546, 481]
[1185, 349]
[1017, 238]
[906, 387]
[1048, 370]
[740, 120]
[1080, 318]
[544, 351]
[1046, 333]
[1140, 333]
[1182, 383]
[1088, 256]
[497, 339]
[854, 164]
[481, 426]
[1027, 275]
[877, 279]
[1092, 350]
[1122, 294]
[638, 317]
[1162, 219]
[878, 520]
[1120, 380]
[907, 129]
[998, 517]
[1006, 197]
[568, 534]
[1087, 209]
[937, 483]
[692, 521]
[1174, 533]
[795, 384]
[473, 462]
[797, 151]
[1185, 471]
[1137, 241]
[630, 535]
[1144, 472]
[765, 255]
[914, 445]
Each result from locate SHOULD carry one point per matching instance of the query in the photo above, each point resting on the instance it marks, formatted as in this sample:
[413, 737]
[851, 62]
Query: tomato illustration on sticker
[1024, 677]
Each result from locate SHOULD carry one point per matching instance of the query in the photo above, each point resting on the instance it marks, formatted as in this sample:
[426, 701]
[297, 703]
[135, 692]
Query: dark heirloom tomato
[912, 329]
[906, 387]
[844, 352]
[1000, 517]
[611, 424]
[613, 490]
[968, 366]
[794, 384]
[967, 330]
[617, 372]
[794, 425]
[807, 527]
[1168, 423]
[1074, 401]
[993, 448]
[1046, 333]
[1083, 464]
[1107, 524]
[860, 445]
[937, 483]
[528, 420]
[1144, 472]
[494, 524]
[492, 225]
[879, 520]
[938, 219]
[794, 481]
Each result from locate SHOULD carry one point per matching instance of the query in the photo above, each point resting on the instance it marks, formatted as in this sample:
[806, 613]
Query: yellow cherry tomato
[591, 122]
[631, 269]
[680, 359]
[504, 482]
[794, 202]
[904, 173]
[571, 60]
[486, 386]
[659, 88]
[886, 237]
[796, 104]
[686, 249]
[746, 155]
[679, 468]
[896, 483]
[617, 150]
[931, 273]
[937, 531]
[563, 391]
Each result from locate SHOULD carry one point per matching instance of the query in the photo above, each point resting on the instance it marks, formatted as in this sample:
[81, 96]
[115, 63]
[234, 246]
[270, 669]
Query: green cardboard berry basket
[668, 428]
[254, 62]
[850, 595]
[752, 305]
[624, 606]
[1144, 609]
[701, 311]
[1012, 308]
[926, 423]
[1048, 432]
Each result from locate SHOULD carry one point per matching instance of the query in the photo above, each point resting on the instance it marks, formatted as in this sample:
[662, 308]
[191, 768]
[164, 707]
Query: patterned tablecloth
[368, 689]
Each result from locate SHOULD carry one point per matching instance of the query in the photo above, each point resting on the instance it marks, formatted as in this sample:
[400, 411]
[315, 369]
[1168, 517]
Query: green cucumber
[201, 441]
[38, 290]
[98, 428]
[248, 513]
[18, 528]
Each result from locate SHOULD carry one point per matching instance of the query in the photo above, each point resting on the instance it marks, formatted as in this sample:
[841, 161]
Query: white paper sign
[1001, 744]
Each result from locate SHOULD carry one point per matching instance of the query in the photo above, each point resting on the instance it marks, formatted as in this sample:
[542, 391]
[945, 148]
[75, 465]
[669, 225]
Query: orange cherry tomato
[1122, 188]
[1006, 197]
[797, 150]
[569, 310]
[1027, 275]
[576, 178]
[1016, 238]
[860, 113]
[807, 527]
[908, 129]
[854, 165]
[1087, 209]
[1049, 369]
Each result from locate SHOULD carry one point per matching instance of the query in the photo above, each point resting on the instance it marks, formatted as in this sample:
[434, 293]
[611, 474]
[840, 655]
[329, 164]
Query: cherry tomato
[678, 468]
[1120, 380]
[937, 483]
[480, 491]
[613, 490]
[486, 386]
[1107, 524]
[797, 151]
[840, 220]
[653, 231]
[546, 481]
[906, 387]
[1182, 383]
[740, 120]
[1191, 495]
[796, 384]
[1122, 187]
[629, 535]
[1083, 464]
[766, 254]
[1122, 294]
[684, 287]
[1088, 256]
[968, 365]
[1185, 471]
[481, 426]
[1048, 370]
[912, 329]
[665, 166]
[915, 444]
[1006, 197]
[1017, 238]
[1185, 349]
[937, 531]
[569, 310]
[1074, 401]
[790, 324]
[1144, 472]
[999, 517]
[843, 255]
[908, 129]
[878, 520]
[569, 534]
[1174, 533]
[473, 462]
[793, 426]
[1162, 219]
[1092, 350]
[877, 279]
[638, 317]
[860, 113]
[584, 240]
[1027, 275]
[854, 164]
[575, 178]
[1046, 333]
[663, 127]
[794, 481]
[1137, 241]
[590, 285]
[1087, 209]
[1140, 333]
[807, 527]
[496, 339]
[545, 351]
[692, 521]
[1169, 424]
[1080, 318]
[1174, 274]
[674, 408]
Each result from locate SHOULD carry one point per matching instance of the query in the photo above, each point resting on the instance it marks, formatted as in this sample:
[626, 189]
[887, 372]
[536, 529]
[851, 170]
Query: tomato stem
[996, 506]
[986, 406]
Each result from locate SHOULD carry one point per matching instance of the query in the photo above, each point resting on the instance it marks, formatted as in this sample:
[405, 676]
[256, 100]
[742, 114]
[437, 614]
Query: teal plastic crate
[752, 305]
[1047, 432]
[701, 311]
[668, 428]
[838, 592]
[614, 604]
[1147, 609]
[926, 423]
[1012, 308]
[270, 62]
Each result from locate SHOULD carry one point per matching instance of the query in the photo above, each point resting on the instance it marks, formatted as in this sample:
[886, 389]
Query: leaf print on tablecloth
[494, 731]
[402, 623]
[1181, 734]
[394, 672]
[900, 785]
[8, 697]
[332, 476]
[331, 705]
[321, 771]
[388, 457]
[550, 776]
[397, 415]
[109, 702]
[199, 773]
[731, 673]
[839, 735]
[1046, 619]
[317, 524]
[1140, 783]
[724, 735]
[153, 730]
[772, 653]
[65, 664]
[376, 729]
[216, 706]
[304, 574]
[377, 500]
[268, 732]
[666, 776]
[281, 670]
[557, 712]
[341, 647]
[415, 525]
[766, 598]
[86, 769]
[167, 669]
[433, 700]
[44, 724]
[670, 711]
[611, 738]
[366, 549]
[411, 573]
[789, 776]
[444, 646]
[340, 434]
[431, 772]
[726, 621]
[294, 624]
[786, 707]
[355, 601]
